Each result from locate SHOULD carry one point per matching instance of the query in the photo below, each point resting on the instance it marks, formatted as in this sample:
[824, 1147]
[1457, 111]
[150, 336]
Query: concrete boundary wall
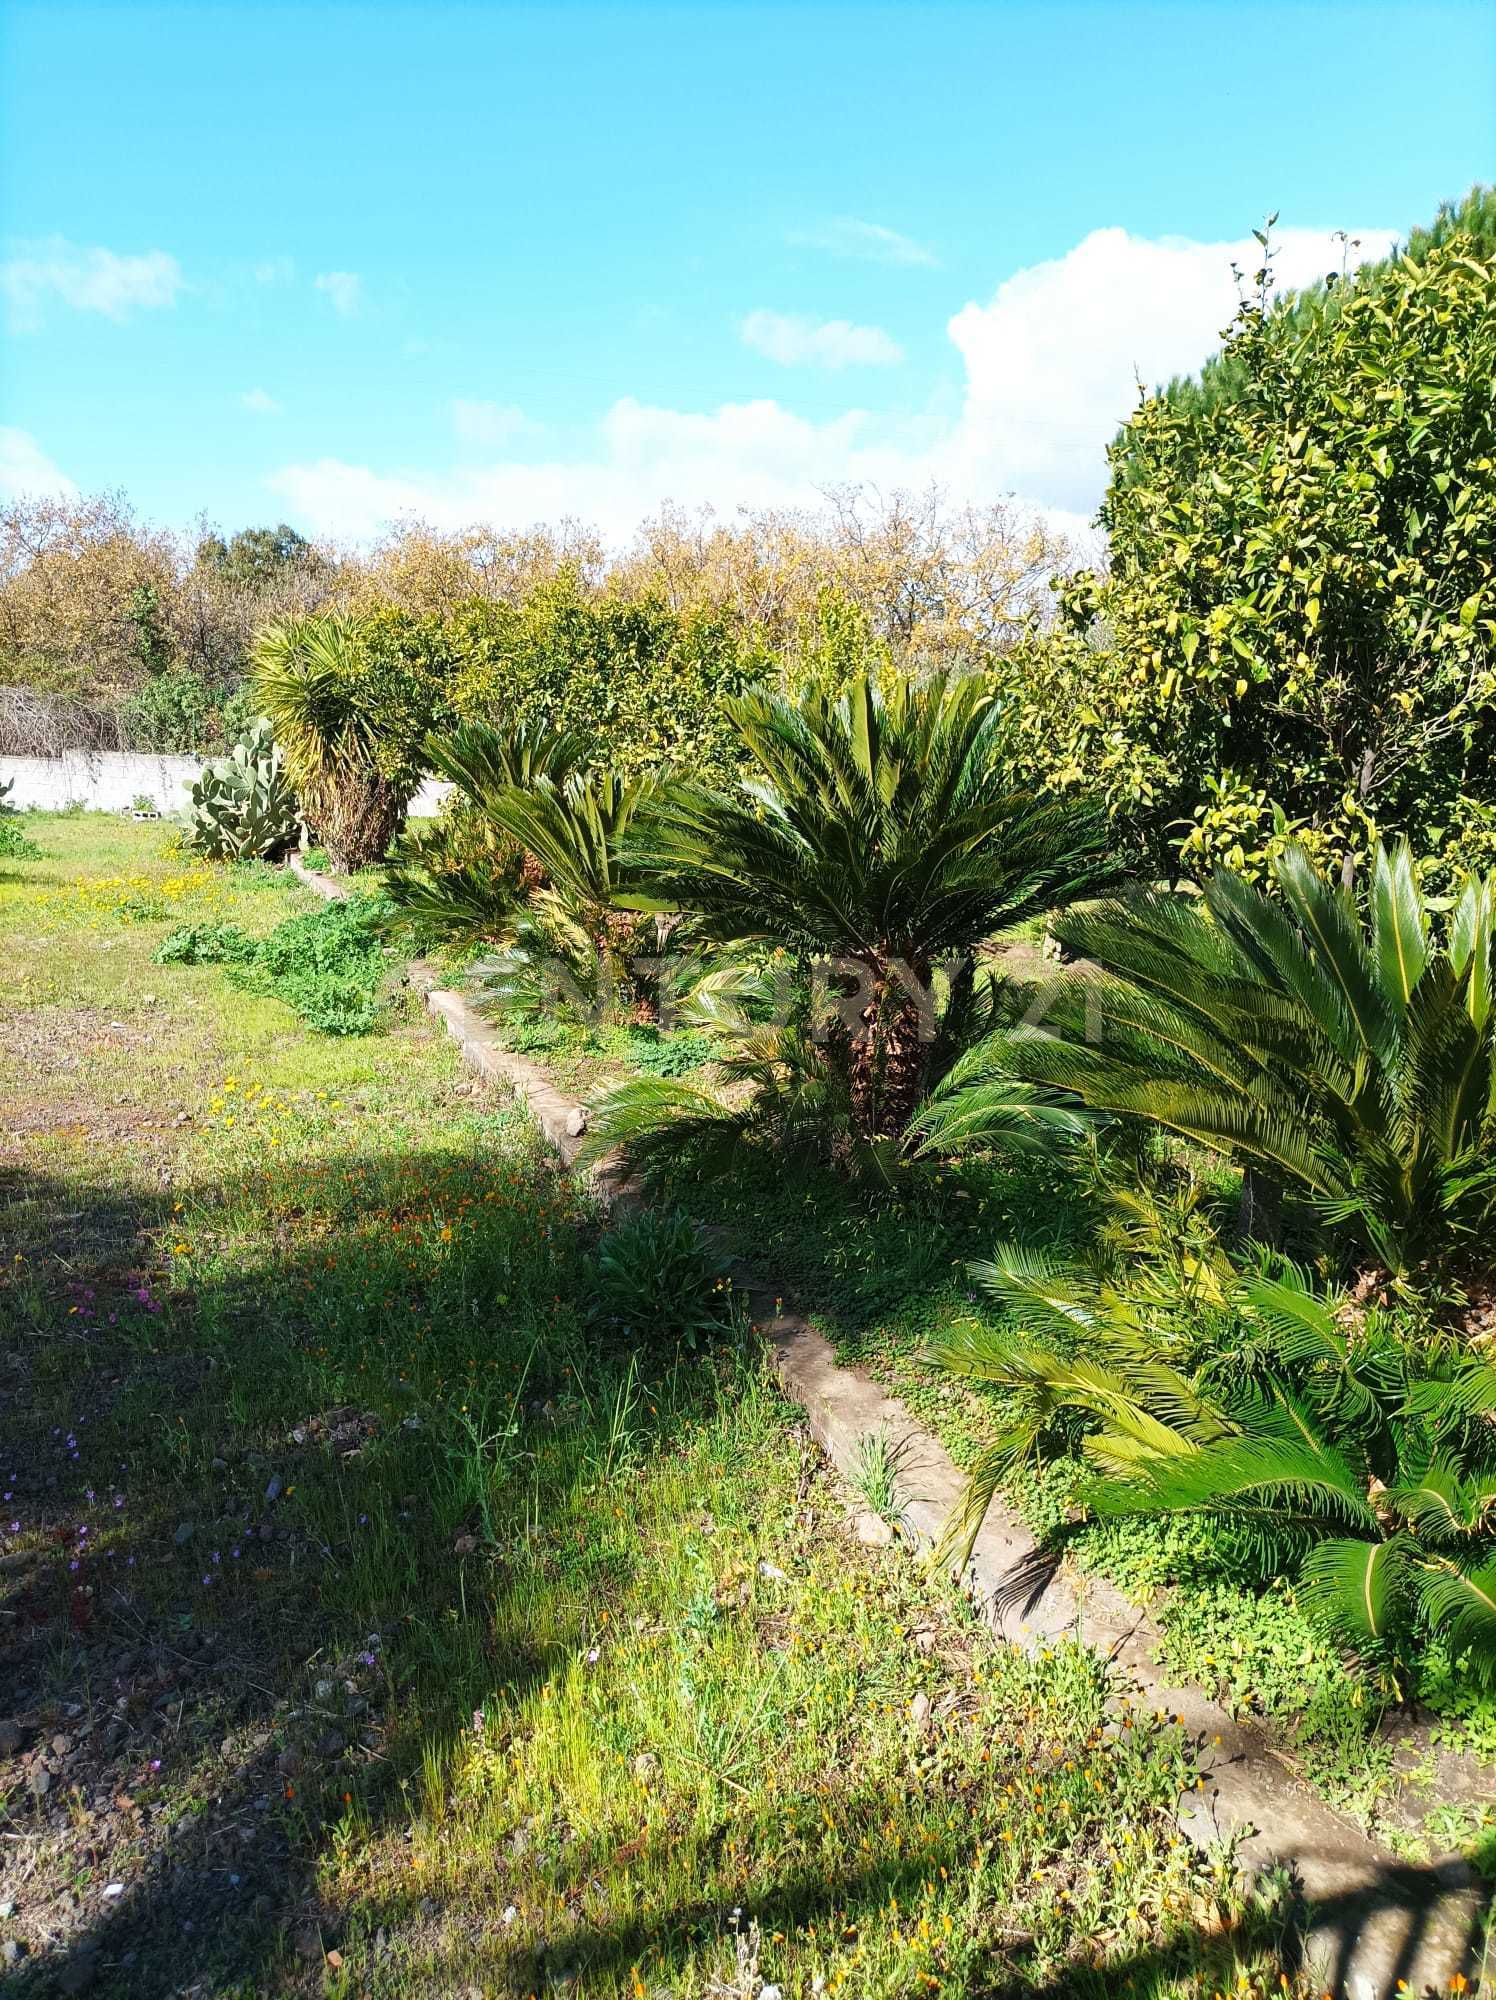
[112, 780]
[104, 780]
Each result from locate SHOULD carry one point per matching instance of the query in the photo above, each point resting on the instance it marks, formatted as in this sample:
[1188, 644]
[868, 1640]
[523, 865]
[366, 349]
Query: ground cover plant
[380, 1619]
[328, 963]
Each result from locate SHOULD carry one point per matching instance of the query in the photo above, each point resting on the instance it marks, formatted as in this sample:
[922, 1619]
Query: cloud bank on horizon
[1051, 364]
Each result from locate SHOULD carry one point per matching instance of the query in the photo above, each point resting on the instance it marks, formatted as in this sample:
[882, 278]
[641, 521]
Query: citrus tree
[1295, 634]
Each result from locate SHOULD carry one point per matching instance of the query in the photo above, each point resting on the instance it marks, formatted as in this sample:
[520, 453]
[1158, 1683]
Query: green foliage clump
[1224, 379]
[658, 1279]
[1341, 1443]
[1351, 1061]
[327, 965]
[176, 711]
[207, 944]
[241, 807]
[351, 701]
[14, 844]
[640, 683]
[1296, 632]
[256, 558]
[673, 1054]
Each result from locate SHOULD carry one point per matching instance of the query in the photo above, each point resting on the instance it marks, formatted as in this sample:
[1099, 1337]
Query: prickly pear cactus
[242, 806]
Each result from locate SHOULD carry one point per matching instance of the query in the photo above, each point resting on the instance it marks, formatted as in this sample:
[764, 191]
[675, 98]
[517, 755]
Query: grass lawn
[377, 1621]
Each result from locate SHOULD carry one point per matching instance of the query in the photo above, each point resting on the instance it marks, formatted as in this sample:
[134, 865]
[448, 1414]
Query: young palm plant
[570, 949]
[1326, 1435]
[1350, 1060]
[882, 832]
[307, 675]
[466, 879]
[536, 873]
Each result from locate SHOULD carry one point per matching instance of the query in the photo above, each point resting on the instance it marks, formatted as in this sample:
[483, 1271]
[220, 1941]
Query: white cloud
[1051, 365]
[1053, 361]
[274, 271]
[89, 279]
[261, 402]
[26, 469]
[869, 242]
[344, 288]
[756, 454]
[836, 343]
[491, 424]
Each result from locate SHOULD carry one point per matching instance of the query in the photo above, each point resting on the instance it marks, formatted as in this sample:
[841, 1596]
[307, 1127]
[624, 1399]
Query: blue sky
[336, 263]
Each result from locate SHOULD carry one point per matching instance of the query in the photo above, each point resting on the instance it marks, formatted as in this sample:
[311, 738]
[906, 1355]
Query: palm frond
[1399, 925]
[1356, 1587]
[1461, 1602]
[655, 1122]
[1300, 1476]
[481, 759]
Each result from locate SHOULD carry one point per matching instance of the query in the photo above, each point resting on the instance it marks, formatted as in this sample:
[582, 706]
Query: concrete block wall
[108, 780]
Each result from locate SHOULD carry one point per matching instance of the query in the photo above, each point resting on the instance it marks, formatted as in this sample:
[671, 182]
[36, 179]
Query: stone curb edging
[1375, 1925]
[328, 887]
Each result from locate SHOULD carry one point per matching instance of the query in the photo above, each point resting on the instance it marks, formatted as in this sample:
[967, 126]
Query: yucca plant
[353, 778]
[1323, 1433]
[882, 831]
[1349, 1059]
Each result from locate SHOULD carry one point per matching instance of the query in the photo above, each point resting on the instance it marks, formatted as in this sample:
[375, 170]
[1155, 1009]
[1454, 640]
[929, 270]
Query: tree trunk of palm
[355, 819]
[890, 1056]
[1259, 1215]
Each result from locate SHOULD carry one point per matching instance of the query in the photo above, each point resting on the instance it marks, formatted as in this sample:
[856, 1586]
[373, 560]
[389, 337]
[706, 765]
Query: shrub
[1297, 614]
[14, 845]
[174, 711]
[641, 684]
[466, 878]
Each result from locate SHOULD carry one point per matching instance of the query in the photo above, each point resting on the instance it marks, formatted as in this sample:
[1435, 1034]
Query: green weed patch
[327, 964]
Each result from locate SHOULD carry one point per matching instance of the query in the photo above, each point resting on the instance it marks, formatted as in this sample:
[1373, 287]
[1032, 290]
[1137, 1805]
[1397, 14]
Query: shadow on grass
[652, 1947]
[217, 1642]
[255, 1648]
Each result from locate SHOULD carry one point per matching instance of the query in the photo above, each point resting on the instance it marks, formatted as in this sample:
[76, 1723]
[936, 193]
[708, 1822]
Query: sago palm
[1351, 1060]
[881, 831]
[773, 1087]
[466, 878]
[1326, 1436]
[307, 681]
[569, 948]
